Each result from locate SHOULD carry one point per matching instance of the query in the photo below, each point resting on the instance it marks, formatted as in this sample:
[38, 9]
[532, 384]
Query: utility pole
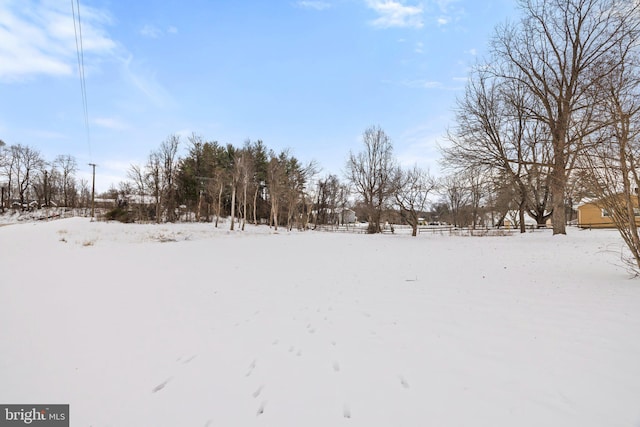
[93, 189]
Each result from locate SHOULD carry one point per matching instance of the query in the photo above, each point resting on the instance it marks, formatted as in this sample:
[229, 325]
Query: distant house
[592, 214]
[346, 216]
[511, 220]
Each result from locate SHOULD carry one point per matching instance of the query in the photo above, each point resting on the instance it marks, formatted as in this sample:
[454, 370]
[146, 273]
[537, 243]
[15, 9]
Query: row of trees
[26, 176]
[248, 184]
[254, 184]
[257, 185]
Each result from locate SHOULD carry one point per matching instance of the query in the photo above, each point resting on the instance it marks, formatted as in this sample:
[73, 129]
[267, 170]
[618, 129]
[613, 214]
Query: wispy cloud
[153, 32]
[38, 38]
[449, 12]
[315, 5]
[145, 81]
[150, 31]
[424, 84]
[396, 14]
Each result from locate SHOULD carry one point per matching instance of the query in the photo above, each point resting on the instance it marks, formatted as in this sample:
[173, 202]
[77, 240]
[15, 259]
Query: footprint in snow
[258, 391]
[160, 386]
[252, 366]
[403, 381]
[261, 408]
[184, 362]
[336, 366]
[346, 411]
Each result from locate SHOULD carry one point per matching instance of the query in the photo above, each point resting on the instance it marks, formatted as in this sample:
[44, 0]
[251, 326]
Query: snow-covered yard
[184, 325]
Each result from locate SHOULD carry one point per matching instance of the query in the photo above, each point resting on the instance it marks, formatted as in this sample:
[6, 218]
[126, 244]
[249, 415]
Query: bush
[119, 214]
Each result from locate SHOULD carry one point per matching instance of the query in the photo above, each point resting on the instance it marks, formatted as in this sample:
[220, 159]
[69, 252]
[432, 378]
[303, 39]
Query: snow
[186, 325]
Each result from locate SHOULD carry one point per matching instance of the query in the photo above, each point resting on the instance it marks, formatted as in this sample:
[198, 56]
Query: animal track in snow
[336, 366]
[160, 386]
[252, 366]
[258, 391]
[261, 408]
[403, 381]
[346, 411]
[184, 362]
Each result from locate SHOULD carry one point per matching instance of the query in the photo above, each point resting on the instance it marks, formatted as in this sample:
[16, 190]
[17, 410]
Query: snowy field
[184, 325]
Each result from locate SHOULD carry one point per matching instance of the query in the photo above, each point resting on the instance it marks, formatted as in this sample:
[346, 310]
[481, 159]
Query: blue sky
[309, 76]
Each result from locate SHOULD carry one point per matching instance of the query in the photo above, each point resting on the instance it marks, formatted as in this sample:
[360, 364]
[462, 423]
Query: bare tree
[496, 136]
[412, 194]
[276, 183]
[456, 197]
[558, 51]
[371, 174]
[67, 166]
[296, 196]
[25, 162]
[168, 156]
[153, 179]
[137, 175]
[240, 177]
[246, 173]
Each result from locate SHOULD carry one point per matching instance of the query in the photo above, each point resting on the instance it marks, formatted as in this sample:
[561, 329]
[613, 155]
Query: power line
[77, 29]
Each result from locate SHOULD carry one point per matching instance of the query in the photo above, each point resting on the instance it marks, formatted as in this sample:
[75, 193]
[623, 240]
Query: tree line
[257, 185]
[249, 184]
[30, 180]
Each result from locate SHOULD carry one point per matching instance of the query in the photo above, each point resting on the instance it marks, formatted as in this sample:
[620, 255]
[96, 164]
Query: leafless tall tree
[137, 176]
[496, 136]
[168, 155]
[412, 188]
[24, 163]
[371, 173]
[276, 183]
[67, 166]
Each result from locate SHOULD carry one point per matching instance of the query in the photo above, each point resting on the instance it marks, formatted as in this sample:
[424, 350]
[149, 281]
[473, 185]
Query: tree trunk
[523, 228]
[244, 206]
[558, 186]
[219, 204]
[233, 206]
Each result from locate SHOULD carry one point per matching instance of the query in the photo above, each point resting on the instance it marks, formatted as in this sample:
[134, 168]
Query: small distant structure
[346, 215]
[511, 220]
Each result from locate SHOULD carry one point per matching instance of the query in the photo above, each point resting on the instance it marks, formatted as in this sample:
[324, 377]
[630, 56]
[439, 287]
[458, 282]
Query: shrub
[119, 214]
